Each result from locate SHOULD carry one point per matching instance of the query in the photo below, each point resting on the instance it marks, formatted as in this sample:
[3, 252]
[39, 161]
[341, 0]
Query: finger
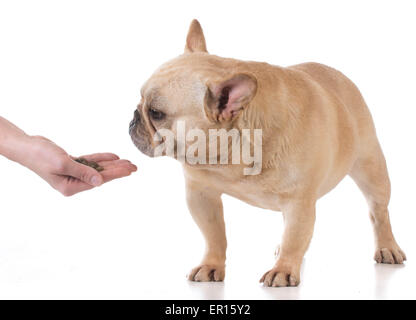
[115, 173]
[97, 157]
[117, 163]
[128, 166]
[84, 173]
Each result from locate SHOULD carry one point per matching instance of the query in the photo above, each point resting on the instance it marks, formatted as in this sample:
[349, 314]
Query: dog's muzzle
[134, 122]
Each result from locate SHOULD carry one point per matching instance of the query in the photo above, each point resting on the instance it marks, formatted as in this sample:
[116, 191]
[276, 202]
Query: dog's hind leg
[370, 174]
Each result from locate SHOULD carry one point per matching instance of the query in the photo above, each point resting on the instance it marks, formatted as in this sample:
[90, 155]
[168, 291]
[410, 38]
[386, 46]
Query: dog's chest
[258, 191]
[255, 194]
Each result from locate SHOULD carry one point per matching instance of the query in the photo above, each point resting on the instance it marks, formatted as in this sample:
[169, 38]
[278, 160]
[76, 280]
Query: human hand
[67, 176]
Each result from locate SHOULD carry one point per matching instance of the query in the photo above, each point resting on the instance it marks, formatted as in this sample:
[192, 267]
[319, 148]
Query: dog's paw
[390, 256]
[204, 273]
[278, 278]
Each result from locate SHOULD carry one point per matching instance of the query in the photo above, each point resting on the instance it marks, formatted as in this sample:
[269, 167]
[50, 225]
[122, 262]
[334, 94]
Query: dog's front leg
[206, 209]
[299, 218]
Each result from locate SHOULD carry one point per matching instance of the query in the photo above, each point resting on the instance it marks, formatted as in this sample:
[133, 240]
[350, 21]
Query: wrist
[15, 146]
[27, 151]
[12, 140]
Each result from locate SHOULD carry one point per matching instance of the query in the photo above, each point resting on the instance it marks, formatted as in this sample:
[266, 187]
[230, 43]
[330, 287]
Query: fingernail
[95, 181]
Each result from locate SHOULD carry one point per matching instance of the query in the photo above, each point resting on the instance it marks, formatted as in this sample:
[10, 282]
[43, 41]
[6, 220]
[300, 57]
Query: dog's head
[199, 90]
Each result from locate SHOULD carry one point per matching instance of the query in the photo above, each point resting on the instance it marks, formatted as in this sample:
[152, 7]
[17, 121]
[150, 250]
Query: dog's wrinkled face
[193, 89]
[140, 135]
[166, 100]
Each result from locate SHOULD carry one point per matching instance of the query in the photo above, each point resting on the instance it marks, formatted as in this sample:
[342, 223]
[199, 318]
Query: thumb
[84, 173]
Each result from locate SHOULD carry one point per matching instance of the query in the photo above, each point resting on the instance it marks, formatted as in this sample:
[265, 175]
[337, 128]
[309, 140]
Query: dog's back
[346, 92]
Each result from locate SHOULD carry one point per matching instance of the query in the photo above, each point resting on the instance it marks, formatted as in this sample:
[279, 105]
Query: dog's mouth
[140, 141]
[143, 146]
[134, 122]
[132, 126]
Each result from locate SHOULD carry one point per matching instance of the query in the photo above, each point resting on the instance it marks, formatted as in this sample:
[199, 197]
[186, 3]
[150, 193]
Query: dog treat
[91, 164]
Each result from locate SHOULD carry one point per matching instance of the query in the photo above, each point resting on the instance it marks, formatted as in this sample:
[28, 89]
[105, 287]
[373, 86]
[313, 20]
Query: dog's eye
[156, 114]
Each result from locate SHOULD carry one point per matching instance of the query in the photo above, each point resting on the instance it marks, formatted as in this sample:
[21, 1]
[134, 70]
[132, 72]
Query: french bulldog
[316, 129]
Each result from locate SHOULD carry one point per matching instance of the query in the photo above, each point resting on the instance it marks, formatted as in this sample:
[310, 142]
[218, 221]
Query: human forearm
[14, 142]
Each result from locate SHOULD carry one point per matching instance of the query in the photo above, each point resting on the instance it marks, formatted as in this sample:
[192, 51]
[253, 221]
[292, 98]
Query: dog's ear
[195, 41]
[225, 100]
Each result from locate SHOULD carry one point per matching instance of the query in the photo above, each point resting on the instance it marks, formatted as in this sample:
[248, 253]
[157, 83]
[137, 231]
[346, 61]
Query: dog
[316, 129]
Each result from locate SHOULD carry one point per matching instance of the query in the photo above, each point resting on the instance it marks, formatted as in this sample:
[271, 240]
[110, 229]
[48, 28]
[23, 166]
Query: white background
[72, 70]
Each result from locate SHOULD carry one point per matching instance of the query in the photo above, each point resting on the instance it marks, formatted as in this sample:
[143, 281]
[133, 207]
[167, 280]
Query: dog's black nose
[136, 115]
[134, 121]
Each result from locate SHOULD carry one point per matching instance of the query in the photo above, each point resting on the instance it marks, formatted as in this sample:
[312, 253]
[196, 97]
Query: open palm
[69, 177]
